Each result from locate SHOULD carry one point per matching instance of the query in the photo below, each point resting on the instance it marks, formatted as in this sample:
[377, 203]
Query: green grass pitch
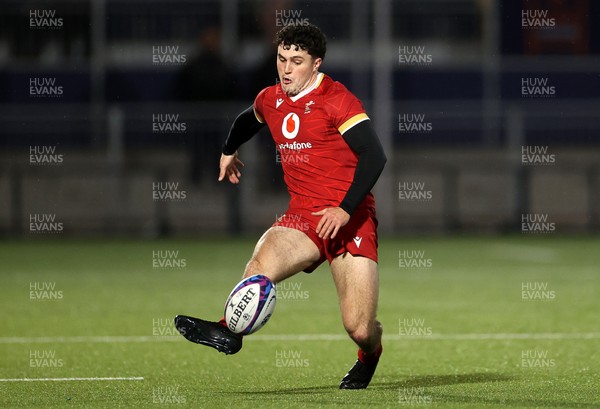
[469, 322]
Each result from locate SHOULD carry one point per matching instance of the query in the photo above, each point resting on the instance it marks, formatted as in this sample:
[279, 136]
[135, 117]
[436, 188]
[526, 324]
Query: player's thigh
[357, 283]
[282, 252]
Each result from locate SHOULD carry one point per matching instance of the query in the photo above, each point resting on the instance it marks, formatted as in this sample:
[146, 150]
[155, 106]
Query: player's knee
[255, 266]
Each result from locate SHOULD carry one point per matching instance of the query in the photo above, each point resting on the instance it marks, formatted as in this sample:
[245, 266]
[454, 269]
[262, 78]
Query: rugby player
[331, 159]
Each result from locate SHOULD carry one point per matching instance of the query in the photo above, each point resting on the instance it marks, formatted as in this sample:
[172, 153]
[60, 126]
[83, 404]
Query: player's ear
[317, 63]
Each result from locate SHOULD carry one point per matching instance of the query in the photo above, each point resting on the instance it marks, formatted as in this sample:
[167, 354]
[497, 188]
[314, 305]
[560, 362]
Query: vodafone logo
[290, 125]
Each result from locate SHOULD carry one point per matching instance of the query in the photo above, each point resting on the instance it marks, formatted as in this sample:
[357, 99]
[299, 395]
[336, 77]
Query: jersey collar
[314, 85]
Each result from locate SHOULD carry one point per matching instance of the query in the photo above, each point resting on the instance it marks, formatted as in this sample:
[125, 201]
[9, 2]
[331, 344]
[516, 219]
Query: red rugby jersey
[318, 165]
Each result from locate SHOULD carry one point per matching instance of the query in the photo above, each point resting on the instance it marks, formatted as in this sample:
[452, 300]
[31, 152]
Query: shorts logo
[357, 241]
[290, 125]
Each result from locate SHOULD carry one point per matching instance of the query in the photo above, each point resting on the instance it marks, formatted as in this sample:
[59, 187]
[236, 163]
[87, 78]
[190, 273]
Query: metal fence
[473, 111]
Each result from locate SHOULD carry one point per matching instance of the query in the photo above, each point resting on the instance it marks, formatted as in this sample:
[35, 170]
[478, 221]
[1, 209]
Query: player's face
[297, 69]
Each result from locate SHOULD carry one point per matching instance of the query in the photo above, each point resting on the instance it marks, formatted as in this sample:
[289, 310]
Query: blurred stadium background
[113, 112]
[112, 115]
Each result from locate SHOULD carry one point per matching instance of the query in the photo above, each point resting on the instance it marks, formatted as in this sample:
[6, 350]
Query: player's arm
[245, 126]
[363, 140]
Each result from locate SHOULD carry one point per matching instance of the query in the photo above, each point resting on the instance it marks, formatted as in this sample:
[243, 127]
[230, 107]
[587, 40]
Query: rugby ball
[250, 304]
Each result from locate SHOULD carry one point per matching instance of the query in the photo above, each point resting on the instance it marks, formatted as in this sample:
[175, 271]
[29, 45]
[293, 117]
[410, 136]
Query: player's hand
[228, 166]
[334, 218]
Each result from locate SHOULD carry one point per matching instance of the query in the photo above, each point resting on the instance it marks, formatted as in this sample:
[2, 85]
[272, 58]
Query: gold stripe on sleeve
[356, 119]
[258, 117]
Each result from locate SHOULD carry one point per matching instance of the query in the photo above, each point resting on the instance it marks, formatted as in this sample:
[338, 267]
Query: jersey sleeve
[258, 106]
[345, 109]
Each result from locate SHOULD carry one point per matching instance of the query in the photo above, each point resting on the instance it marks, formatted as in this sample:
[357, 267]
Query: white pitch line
[89, 339]
[303, 337]
[398, 337]
[118, 378]
[519, 252]
[502, 336]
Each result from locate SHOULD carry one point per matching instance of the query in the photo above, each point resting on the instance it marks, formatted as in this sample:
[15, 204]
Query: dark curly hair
[306, 37]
